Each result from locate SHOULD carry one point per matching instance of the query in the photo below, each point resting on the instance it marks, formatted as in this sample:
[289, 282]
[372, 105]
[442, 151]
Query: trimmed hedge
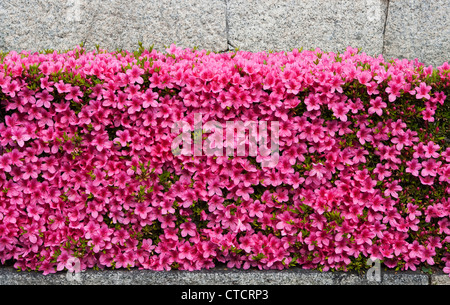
[87, 168]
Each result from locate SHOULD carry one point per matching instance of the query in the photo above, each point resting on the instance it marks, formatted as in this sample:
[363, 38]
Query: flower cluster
[87, 168]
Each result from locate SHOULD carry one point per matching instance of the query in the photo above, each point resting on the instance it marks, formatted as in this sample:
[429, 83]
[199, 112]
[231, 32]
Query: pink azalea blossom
[392, 189]
[413, 167]
[423, 91]
[135, 74]
[44, 99]
[429, 168]
[377, 106]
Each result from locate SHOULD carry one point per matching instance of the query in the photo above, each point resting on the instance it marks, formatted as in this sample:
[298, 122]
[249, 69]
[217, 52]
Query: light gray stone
[440, 278]
[256, 25]
[405, 278]
[55, 24]
[418, 29]
[193, 23]
[413, 28]
[216, 276]
[37, 25]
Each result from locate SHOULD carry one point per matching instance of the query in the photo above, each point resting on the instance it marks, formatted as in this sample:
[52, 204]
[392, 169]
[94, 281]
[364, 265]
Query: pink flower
[318, 171]
[256, 209]
[62, 87]
[134, 105]
[419, 151]
[394, 92]
[295, 180]
[377, 106]
[134, 75]
[312, 103]
[188, 228]
[20, 135]
[245, 192]
[392, 189]
[150, 99]
[445, 173]
[47, 268]
[35, 211]
[364, 77]
[359, 156]
[11, 88]
[399, 247]
[185, 251]
[44, 99]
[101, 142]
[365, 236]
[427, 255]
[214, 187]
[429, 168]
[428, 115]
[340, 111]
[142, 210]
[74, 94]
[431, 150]
[284, 221]
[123, 137]
[215, 202]
[441, 97]
[5, 163]
[429, 180]
[364, 135]
[368, 185]
[97, 243]
[402, 140]
[372, 88]
[413, 167]
[446, 154]
[422, 91]
[415, 249]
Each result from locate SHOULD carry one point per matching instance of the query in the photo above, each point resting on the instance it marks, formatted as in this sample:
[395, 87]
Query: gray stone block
[55, 24]
[256, 25]
[37, 25]
[405, 278]
[440, 278]
[192, 23]
[418, 29]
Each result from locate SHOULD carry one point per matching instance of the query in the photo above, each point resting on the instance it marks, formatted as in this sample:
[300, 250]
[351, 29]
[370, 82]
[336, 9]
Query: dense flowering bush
[87, 169]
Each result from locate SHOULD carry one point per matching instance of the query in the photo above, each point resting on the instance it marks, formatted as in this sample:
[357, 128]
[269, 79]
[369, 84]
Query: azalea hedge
[87, 169]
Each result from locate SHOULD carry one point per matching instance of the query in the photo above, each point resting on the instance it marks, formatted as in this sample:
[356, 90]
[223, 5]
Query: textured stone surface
[329, 25]
[56, 24]
[440, 279]
[217, 276]
[418, 29]
[37, 25]
[413, 28]
[190, 23]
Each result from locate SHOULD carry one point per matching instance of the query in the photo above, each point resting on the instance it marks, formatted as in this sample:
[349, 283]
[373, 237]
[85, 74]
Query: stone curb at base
[218, 276]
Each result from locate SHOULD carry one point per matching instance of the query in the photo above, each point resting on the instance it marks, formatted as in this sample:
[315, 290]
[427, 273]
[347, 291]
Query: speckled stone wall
[395, 28]
[328, 25]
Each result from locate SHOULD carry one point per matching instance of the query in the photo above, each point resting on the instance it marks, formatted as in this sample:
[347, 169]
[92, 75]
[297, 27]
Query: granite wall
[395, 28]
